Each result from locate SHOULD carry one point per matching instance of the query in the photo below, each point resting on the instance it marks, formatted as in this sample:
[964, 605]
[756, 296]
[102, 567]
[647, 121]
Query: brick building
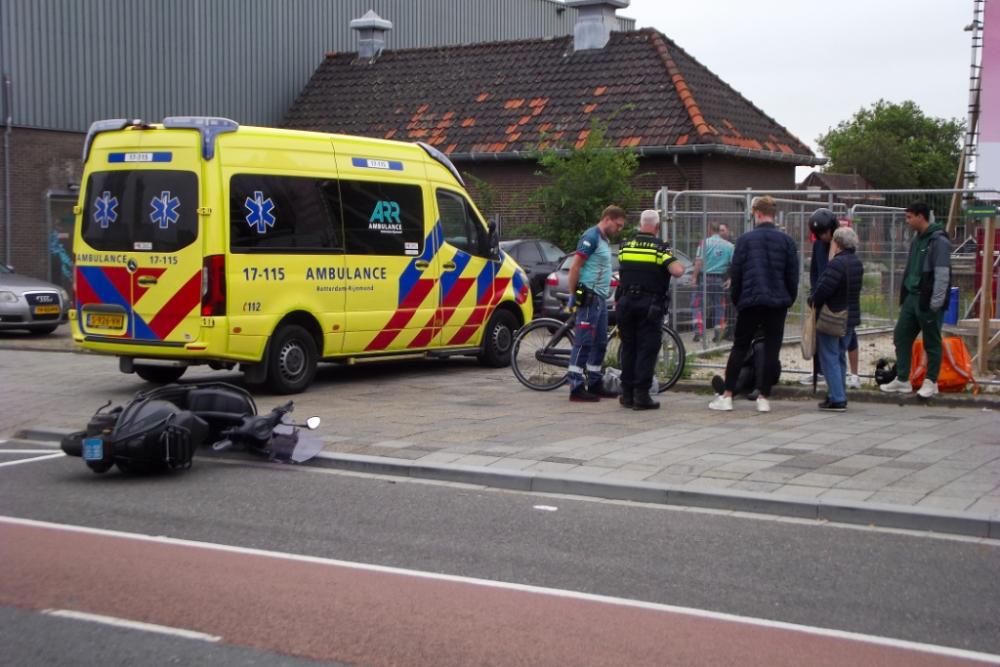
[489, 106]
[68, 64]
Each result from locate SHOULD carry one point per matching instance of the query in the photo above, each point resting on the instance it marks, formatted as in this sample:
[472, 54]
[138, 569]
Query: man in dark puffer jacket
[765, 284]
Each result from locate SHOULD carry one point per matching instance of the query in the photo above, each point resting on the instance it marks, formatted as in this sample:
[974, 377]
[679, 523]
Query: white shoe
[853, 381]
[724, 403]
[763, 405]
[809, 379]
[897, 386]
[928, 389]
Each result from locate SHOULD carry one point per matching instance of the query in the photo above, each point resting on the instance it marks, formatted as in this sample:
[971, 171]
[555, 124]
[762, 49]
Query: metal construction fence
[877, 216]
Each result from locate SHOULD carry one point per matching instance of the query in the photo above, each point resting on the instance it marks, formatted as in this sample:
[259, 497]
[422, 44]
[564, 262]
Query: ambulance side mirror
[494, 240]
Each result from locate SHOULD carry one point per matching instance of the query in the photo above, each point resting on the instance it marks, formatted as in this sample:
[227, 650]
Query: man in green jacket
[923, 301]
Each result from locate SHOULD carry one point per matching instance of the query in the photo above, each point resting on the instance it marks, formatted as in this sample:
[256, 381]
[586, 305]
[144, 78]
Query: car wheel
[160, 374]
[44, 330]
[498, 338]
[291, 363]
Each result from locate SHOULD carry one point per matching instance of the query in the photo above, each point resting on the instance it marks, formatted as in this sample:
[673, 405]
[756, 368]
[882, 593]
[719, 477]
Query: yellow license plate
[98, 321]
[46, 310]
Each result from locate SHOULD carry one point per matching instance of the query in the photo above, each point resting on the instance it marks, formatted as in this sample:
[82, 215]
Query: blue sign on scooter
[93, 449]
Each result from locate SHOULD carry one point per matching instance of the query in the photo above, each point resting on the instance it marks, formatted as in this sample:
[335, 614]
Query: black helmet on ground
[823, 220]
[884, 374]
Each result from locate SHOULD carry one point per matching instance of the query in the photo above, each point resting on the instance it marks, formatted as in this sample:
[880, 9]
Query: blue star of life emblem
[105, 213]
[260, 212]
[164, 209]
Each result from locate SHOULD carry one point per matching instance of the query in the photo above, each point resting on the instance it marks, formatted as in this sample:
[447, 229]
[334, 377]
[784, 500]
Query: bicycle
[541, 352]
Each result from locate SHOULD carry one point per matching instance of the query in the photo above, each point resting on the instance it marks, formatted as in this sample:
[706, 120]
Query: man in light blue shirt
[714, 255]
[589, 287]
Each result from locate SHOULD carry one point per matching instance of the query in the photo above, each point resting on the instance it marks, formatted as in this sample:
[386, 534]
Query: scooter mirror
[313, 423]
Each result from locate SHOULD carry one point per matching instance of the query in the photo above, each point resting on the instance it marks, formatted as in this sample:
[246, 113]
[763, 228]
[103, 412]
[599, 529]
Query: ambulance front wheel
[498, 339]
[291, 363]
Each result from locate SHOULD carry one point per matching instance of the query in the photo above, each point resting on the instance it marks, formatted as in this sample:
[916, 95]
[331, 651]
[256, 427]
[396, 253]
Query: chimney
[594, 22]
[371, 34]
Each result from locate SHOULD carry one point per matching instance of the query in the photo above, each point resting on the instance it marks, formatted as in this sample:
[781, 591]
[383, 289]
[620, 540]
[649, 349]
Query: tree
[896, 146]
[583, 181]
[487, 195]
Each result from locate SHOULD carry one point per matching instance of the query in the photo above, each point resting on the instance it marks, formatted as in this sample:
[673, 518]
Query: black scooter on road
[160, 430]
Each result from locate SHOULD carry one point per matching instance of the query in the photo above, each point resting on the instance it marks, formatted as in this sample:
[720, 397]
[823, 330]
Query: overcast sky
[810, 64]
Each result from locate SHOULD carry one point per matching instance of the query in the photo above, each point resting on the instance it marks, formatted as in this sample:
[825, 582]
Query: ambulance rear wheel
[291, 363]
[160, 374]
[498, 339]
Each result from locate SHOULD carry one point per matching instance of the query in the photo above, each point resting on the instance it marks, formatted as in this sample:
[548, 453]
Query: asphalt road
[944, 592]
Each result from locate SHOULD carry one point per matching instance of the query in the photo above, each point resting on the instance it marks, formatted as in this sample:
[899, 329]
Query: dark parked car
[538, 258]
[31, 304]
[558, 281]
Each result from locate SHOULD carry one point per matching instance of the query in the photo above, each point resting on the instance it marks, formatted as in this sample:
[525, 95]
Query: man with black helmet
[823, 223]
[646, 266]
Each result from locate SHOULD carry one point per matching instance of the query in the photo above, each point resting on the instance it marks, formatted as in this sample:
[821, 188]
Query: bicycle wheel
[540, 354]
[670, 360]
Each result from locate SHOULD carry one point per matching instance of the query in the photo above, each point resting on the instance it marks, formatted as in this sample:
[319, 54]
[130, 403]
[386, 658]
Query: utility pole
[967, 167]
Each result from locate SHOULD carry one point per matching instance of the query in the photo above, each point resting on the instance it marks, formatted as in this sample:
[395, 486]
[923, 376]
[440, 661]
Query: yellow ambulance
[202, 242]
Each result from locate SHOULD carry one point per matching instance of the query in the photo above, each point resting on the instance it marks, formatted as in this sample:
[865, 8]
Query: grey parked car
[538, 258]
[31, 304]
[558, 283]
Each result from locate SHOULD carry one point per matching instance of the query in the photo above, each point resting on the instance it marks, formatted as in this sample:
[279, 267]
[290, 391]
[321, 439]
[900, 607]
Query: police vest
[643, 262]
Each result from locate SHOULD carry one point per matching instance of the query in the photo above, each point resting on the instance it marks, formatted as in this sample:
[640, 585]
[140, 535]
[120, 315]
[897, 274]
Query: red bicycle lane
[365, 615]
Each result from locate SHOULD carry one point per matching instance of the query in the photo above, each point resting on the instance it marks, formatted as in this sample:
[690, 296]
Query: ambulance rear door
[142, 276]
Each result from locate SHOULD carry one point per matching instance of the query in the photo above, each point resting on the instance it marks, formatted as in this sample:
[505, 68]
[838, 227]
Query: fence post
[664, 217]
[986, 297]
[892, 266]
[802, 263]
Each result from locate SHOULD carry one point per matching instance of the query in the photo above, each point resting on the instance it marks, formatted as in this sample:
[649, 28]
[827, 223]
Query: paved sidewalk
[424, 417]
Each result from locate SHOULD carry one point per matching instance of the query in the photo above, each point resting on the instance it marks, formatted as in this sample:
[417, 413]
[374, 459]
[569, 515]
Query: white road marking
[536, 590]
[131, 625]
[33, 459]
[22, 451]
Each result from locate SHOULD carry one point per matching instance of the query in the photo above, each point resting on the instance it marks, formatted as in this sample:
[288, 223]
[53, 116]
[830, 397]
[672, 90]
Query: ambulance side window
[281, 214]
[461, 225]
[382, 218]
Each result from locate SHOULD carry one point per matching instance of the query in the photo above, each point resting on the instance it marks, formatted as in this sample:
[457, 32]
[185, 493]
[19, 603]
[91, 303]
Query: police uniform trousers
[640, 341]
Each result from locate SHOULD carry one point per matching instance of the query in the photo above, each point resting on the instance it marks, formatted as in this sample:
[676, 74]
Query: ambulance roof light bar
[209, 127]
[102, 126]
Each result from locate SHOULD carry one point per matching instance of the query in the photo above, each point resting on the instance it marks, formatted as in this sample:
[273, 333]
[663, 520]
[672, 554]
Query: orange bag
[956, 365]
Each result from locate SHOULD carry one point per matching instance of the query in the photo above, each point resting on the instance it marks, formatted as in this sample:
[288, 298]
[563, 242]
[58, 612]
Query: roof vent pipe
[371, 34]
[595, 20]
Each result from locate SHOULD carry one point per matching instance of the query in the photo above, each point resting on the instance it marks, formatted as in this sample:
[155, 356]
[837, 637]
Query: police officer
[644, 278]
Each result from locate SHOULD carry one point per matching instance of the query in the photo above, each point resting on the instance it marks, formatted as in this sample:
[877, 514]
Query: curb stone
[987, 401]
[881, 515]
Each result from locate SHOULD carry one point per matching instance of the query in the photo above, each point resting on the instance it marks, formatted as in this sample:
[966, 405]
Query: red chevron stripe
[458, 292]
[402, 316]
[177, 308]
[85, 294]
[485, 307]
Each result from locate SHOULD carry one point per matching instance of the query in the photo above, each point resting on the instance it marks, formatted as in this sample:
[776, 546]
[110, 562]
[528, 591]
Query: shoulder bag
[831, 323]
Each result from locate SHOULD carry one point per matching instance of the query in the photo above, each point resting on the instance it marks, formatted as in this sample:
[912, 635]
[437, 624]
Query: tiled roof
[501, 97]
[836, 181]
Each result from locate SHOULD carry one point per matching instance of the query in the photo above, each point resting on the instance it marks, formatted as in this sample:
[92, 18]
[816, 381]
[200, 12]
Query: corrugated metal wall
[75, 61]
